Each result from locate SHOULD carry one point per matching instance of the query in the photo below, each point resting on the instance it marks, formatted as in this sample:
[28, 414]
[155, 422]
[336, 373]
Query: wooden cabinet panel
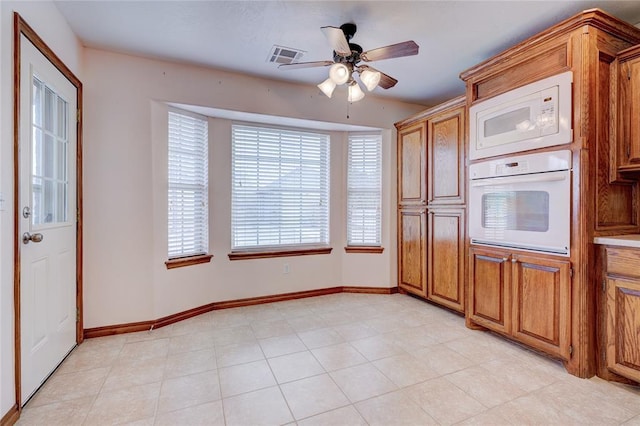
[446, 257]
[490, 289]
[541, 303]
[623, 327]
[412, 166]
[446, 145]
[412, 251]
[623, 261]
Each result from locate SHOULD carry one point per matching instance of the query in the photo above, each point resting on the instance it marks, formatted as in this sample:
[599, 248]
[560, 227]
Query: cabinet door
[412, 165]
[623, 327]
[490, 289]
[446, 264]
[542, 303]
[446, 147]
[412, 251]
[629, 106]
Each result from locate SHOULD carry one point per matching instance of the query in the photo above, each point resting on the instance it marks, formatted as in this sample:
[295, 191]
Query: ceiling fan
[346, 62]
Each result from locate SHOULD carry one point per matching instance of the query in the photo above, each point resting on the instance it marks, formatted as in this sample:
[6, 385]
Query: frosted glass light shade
[327, 87]
[339, 73]
[355, 92]
[370, 79]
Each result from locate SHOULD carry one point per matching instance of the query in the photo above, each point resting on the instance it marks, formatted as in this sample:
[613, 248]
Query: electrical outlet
[285, 269]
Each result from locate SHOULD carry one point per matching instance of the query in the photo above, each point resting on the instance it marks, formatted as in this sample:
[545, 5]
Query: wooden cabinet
[446, 257]
[412, 250]
[621, 312]
[628, 103]
[431, 204]
[446, 154]
[603, 200]
[412, 165]
[524, 296]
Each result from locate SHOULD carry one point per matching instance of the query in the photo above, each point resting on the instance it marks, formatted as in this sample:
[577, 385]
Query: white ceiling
[238, 35]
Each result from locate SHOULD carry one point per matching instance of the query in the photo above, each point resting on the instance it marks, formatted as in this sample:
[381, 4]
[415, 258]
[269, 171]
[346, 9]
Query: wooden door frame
[20, 28]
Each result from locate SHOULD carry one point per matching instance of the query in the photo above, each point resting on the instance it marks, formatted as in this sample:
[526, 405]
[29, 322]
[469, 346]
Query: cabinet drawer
[623, 261]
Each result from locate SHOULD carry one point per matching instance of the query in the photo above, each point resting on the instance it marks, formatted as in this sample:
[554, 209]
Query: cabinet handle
[514, 260]
[504, 259]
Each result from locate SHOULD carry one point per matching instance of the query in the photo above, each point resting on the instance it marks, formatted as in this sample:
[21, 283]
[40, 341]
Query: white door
[47, 217]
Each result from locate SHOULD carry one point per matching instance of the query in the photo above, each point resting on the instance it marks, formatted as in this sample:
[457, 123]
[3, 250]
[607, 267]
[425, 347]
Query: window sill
[363, 249]
[188, 261]
[243, 255]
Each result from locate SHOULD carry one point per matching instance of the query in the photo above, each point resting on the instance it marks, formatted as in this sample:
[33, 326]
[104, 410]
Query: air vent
[284, 55]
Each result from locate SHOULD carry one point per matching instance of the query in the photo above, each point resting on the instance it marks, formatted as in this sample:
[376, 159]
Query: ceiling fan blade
[406, 48]
[298, 65]
[386, 81]
[337, 40]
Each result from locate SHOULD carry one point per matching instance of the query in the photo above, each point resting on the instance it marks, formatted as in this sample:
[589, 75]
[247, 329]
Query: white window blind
[364, 190]
[280, 188]
[188, 185]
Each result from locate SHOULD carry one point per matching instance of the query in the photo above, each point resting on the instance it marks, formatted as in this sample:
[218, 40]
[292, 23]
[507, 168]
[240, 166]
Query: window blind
[280, 188]
[188, 185]
[364, 190]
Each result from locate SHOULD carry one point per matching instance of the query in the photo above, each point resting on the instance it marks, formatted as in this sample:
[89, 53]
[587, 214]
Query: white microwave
[533, 116]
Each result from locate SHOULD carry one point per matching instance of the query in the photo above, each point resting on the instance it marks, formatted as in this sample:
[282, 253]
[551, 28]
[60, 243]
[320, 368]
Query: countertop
[630, 240]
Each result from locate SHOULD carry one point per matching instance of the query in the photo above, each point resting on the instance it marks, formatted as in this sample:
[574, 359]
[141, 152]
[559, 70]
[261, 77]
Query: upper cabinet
[446, 153]
[412, 161]
[628, 136]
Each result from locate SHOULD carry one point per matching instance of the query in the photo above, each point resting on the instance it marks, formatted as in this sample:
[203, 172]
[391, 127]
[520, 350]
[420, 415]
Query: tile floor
[344, 359]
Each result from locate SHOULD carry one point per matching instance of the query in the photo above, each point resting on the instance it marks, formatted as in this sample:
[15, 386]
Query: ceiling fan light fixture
[327, 87]
[339, 73]
[355, 93]
[370, 79]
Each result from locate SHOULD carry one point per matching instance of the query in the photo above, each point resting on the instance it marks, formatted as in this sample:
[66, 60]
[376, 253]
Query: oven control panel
[522, 164]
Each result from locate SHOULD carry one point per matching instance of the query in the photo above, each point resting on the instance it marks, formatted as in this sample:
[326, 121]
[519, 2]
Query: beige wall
[45, 19]
[125, 97]
[125, 189]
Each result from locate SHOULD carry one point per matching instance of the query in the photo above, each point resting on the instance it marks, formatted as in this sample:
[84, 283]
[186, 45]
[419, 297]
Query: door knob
[36, 238]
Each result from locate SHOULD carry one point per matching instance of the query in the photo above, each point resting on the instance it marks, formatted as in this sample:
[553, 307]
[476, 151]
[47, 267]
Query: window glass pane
[364, 190]
[37, 102]
[280, 188]
[188, 185]
[61, 123]
[49, 109]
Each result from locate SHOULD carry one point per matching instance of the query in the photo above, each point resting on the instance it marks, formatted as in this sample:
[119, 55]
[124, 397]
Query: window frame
[356, 187]
[239, 252]
[200, 252]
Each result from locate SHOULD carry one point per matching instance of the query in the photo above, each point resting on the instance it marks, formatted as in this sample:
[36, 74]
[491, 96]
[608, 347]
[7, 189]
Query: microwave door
[510, 123]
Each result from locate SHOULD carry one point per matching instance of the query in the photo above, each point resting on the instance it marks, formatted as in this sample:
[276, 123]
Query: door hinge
[571, 272]
[570, 350]
[78, 115]
[628, 73]
[77, 315]
[604, 285]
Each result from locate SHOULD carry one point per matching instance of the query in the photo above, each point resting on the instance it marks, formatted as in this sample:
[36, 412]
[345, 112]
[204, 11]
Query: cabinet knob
[514, 260]
[504, 259]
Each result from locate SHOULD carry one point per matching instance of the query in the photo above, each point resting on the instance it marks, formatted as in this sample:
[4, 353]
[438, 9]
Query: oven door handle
[540, 177]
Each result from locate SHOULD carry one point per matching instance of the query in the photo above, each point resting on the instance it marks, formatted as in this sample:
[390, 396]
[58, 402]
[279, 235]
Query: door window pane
[49, 152]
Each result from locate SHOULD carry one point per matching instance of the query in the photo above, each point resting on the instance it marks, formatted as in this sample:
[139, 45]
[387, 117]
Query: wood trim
[188, 261]
[10, 417]
[180, 316]
[20, 27]
[593, 17]
[243, 255]
[110, 330]
[453, 103]
[363, 249]
[370, 290]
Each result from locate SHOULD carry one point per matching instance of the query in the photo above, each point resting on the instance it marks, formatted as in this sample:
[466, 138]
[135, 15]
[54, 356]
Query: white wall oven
[522, 202]
[533, 116]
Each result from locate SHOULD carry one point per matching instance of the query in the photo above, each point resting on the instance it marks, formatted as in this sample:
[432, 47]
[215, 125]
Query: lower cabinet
[431, 255]
[524, 296]
[622, 312]
[412, 250]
